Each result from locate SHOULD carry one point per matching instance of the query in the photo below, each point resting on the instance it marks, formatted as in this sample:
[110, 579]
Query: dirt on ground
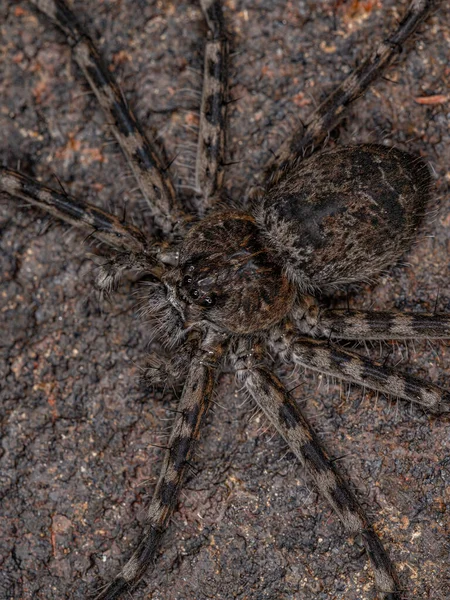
[79, 434]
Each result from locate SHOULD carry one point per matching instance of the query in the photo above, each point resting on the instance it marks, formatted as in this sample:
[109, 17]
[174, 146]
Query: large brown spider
[270, 312]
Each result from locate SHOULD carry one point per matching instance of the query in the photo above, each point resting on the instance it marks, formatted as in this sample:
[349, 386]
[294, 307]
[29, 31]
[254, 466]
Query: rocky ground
[77, 457]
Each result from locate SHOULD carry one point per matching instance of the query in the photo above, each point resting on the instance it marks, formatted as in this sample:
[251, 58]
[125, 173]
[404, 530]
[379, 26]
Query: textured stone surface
[77, 463]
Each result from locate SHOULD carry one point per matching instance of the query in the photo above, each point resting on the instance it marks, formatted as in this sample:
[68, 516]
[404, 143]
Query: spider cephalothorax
[239, 284]
[228, 277]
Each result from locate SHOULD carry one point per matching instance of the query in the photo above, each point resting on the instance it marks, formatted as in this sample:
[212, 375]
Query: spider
[245, 351]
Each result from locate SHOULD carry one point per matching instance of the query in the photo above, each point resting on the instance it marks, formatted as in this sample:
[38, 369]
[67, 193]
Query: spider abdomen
[345, 214]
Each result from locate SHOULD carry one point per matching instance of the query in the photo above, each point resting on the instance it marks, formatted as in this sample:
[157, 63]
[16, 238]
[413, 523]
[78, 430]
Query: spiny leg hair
[330, 112]
[272, 398]
[99, 224]
[330, 359]
[152, 177]
[211, 136]
[194, 402]
[132, 251]
[372, 325]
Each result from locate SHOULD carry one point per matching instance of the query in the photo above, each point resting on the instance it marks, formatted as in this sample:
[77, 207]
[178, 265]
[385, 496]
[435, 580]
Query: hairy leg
[328, 115]
[211, 137]
[99, 224]
[194, 403]
[270, 395]
[349, 366]
[372, 325]
[152, 177]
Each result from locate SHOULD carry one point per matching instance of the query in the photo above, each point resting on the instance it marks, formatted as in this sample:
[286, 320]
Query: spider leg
[271, 396]
[194, 402]
[171, 371]
[98, 223]
[211, 137]
[325, 118]
[349, 366]
[153, 179]
[372, 325]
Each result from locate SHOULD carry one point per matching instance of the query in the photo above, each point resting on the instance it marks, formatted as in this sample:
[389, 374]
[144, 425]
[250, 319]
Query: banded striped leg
[270, 395]
[100, 225]
[371, 325]
[331, 111]
[349, 366]
[195, 401]
[211, 137]
[153, 179]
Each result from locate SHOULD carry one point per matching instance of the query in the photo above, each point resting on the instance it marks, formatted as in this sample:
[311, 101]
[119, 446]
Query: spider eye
[208, 301]
[195, 294]
[187, 280]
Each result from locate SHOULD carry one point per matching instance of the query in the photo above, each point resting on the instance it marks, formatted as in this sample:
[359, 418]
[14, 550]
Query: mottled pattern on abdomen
[345, 214]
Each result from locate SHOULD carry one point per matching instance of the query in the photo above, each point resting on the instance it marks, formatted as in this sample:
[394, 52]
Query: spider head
[227, 277]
